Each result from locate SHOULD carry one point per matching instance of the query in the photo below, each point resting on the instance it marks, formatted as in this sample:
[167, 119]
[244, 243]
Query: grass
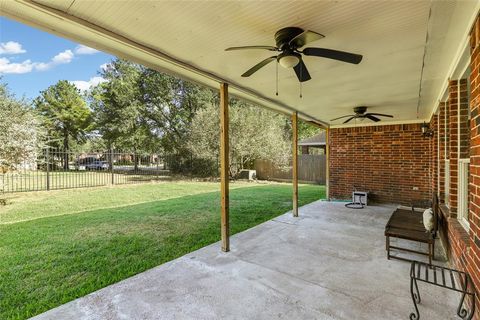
[34, 205]
[51, 260]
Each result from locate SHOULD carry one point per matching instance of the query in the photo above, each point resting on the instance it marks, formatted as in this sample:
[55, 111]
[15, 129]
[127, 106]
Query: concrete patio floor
[330, 263]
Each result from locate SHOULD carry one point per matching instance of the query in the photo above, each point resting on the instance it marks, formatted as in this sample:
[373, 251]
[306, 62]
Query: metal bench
[408, 225]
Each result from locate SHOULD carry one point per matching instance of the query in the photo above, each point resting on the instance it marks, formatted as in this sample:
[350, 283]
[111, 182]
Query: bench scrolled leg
[415, 298]
[387, 246]
[464, 313]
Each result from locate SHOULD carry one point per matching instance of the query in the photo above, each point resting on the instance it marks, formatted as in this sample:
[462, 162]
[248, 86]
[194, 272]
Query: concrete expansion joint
[284, 222]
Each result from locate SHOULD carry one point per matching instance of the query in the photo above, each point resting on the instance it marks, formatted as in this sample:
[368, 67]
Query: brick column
[441, 151]
[433, 154]
[464, 125]
[453, 145]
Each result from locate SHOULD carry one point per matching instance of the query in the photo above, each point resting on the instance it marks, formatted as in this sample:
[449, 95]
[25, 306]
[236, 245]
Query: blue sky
[31, 60]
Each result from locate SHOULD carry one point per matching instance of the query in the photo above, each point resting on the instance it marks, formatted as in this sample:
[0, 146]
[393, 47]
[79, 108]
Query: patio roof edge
[376, 124]
[456, 61]
[56, 22]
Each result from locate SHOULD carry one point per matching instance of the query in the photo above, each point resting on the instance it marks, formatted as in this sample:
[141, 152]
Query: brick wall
[472, 263]
[463, 136]
[388, 161]
[458, 243]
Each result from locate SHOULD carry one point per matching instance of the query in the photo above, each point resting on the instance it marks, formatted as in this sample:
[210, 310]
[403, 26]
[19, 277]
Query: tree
[306, 130]
[143, 109]
[20, 131]
[65, 114]
[255, 133]
[119, 110]
[170, 105]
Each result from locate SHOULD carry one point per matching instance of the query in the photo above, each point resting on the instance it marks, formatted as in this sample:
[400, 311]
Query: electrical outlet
[415, 188]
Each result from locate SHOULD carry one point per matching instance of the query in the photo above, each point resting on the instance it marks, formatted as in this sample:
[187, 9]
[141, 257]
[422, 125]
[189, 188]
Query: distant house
[314, 145]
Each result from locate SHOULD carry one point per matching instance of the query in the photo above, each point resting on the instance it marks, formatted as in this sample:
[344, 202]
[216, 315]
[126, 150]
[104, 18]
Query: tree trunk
[135, 160]
[65, 149]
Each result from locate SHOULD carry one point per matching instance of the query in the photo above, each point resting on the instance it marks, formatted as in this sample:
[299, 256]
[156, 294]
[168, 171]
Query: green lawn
[34, 205]
[115, 233]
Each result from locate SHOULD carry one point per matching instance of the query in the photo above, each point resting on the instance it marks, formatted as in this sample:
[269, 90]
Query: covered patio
[324, 261]
[330, 263]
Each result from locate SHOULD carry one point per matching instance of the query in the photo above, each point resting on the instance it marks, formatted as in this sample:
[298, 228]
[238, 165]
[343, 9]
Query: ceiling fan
[360, 114]
[288, 42]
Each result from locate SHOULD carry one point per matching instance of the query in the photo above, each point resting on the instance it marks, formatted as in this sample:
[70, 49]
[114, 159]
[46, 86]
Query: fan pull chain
[276, 82]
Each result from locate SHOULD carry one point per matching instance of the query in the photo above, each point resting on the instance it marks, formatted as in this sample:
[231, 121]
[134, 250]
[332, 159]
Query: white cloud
[8, 67]
[81, 49]
[27, 66]
[86, 85]
[11, 47]
[42, 66]
[104, 66]
[81, 85]
[61, 58]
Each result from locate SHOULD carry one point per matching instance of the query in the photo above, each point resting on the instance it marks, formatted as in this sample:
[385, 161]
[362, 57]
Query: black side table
[445, 278]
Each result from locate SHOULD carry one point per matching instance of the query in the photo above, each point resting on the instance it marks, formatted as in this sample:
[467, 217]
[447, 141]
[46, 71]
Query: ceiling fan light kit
[361, 114]
[288, 42]
[289, 60]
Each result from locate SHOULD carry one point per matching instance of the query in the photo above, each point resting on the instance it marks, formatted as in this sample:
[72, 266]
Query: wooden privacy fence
[311, 168]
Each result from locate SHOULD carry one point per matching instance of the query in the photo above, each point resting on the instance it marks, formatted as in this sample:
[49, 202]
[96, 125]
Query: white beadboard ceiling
[188, 38]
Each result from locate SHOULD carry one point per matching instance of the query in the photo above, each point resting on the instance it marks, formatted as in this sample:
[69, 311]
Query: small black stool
[445, 278]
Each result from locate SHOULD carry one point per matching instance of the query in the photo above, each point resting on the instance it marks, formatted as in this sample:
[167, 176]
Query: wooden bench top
[406, 219]
[408, 225]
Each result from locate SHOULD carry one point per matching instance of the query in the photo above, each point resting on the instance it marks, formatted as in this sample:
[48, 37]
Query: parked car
[80, 164]
[97, 165]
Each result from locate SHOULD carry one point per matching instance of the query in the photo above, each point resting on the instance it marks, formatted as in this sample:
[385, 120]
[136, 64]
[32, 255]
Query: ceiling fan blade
[302, 72]
[333, 54]
[369, 116]
[381, 115]
[252, 47]
[350, 115]
[258, 66]
[349, 119]
[305, 37]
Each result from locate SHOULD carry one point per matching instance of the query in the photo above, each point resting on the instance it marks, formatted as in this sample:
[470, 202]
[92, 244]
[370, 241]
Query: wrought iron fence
[57, 169]
[54, 169]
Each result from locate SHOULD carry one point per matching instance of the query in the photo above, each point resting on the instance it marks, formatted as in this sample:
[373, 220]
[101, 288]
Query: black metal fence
[53, 169]
[57, 169]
